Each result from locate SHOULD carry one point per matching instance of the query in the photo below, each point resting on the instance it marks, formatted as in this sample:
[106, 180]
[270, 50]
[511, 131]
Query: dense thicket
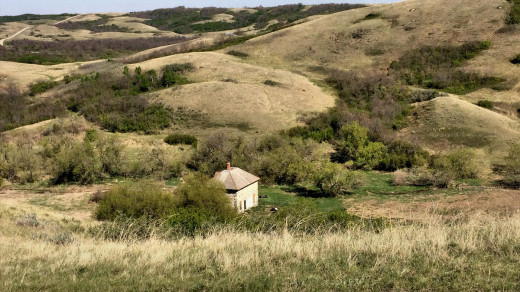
[181, 19]
[98, 25]
[435, 67]
[66, 51]
[113, 100]
[29, 17]
[16, 109]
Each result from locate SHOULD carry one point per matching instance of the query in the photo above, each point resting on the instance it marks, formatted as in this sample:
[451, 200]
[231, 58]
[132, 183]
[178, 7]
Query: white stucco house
[241, 187]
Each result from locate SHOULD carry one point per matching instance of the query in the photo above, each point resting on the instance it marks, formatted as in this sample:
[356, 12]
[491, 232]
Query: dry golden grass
[478, 253]
[327, 40]
[244, 98]
[133, 23]
[449, 122]
[23, 75]
[10, 28]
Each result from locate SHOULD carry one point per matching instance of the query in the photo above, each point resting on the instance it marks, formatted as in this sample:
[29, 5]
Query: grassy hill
[384, 134]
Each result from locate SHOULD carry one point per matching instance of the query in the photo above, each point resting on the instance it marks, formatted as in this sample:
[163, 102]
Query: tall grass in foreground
[477, 253]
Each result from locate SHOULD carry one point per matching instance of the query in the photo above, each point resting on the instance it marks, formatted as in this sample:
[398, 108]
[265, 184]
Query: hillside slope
[232, 92]
[450, 122]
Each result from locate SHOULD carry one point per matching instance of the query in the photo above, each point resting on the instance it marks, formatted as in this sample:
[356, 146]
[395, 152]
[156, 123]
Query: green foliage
[186, 139]
[19, 163]
[403, 154]
[319, 135]
[135, 200]
[76, 162]
[183, 20]
[334, 179]
[284, 165]
[172, 74]
[485, 104]
[434, 67]
[462, 164]
[201, 192]
[42, 86]
[372, 15]
[110, 155]
[112, 101]
[213, 154]
[514, 14]
[354, 147]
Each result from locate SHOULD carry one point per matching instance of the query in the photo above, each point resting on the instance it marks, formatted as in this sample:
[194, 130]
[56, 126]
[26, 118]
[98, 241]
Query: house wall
[248, 194]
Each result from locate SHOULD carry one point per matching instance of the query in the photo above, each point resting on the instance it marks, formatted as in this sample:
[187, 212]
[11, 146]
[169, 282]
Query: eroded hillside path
[62, 21]
[14, 35]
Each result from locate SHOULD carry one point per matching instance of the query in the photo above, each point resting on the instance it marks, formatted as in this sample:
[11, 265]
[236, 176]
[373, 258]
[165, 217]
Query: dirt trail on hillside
[62, 21]
[14, 35]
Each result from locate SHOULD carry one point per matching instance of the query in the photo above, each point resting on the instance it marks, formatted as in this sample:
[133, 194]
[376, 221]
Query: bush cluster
[135, 200]
[443, 170]
[514, 14]
[434, 67]
[41, 87]
[186, 139]
[68, 51]
[196, 204]
[96, 26]
[181, 20]
[19, 110]
[113, 102]
[485, 104]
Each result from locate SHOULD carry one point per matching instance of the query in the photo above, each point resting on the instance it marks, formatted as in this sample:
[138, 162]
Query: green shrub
[513, 160]
[462, 164]
[110, 155]
[135, 200]
[514, 14]
[334, 179]
[186, 139]
[272, 83]
[41, 87]
[172, 74]
[402, 154]
[434, 67]
[516, 60]
[238, 54]
[191, 220]
[353, 146]
[201, 192]
[20, 163]
[485, 104]
[76, 162]
[372, 15]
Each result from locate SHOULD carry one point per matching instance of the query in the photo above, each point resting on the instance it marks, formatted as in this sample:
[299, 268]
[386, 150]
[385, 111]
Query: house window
[245, 207]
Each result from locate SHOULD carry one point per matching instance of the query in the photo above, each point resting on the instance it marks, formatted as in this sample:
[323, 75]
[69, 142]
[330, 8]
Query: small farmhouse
[241, 187]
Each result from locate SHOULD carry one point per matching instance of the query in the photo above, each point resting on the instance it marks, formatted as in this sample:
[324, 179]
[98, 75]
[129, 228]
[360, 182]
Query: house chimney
[228, 166]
